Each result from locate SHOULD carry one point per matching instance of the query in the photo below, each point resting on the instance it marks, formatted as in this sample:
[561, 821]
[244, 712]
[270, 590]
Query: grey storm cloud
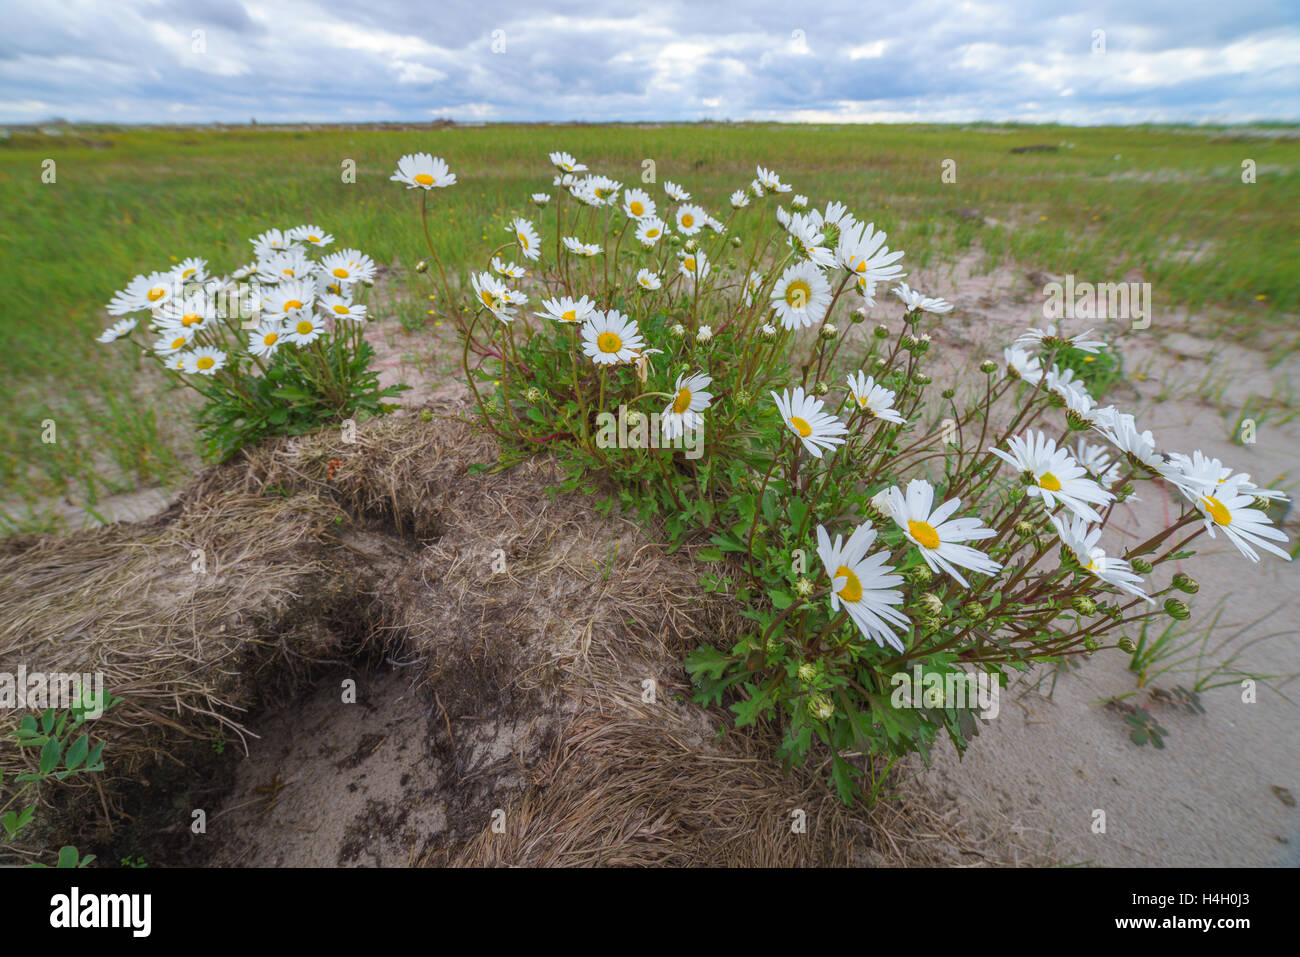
[161, 61]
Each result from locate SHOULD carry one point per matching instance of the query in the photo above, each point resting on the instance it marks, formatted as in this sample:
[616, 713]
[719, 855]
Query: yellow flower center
[287, 272]
[652, 233]
[683, 401]
[801, 426]
[798, 293]
[861, 266]
[608, 342]
[270, 339]
[179, 341]
[523, 240]
[313, 239]
[636, 208]
[205, 362]
[487, 298]
[689, 263]
[190, 319]
[1049, 482]
[341, 273]
[156, 293]
[852, 590]
[187, 273]
[304, 327]
[570, 315]
[1217, 511]
[924, 533]
[424, 179]
[341, 310]
[292, 304]
[688, 219]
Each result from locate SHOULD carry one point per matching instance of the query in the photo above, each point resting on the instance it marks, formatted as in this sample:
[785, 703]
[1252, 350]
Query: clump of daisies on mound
[714, 362]
[274, 347]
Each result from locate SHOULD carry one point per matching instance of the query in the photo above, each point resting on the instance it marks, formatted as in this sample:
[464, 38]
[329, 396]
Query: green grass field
[1168, 200]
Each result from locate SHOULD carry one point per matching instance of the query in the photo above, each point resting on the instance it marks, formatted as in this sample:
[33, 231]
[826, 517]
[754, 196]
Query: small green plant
[63, 754]
[1146, 729]
[136, 862]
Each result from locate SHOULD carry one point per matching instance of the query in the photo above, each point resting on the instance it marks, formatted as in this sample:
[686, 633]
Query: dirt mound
[519, 698]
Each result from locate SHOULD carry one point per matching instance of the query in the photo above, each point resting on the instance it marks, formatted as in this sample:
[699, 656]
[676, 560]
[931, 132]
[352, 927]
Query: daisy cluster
[611, 294]
[291, 293]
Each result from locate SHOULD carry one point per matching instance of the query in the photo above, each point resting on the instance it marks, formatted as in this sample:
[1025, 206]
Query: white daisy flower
[753, 286]
[862, 251]
[422, 171]
[507, 269]
[801, 296]
[565, 163]
[638, 204]
[1229, 510]
[807, 237]
[771, 182]
[204, 360]
[349, 265]
[603, 188]
[874, 399]
[1098, 462]
[303, 327]
[144, 292]
[579, 248]
[266, 338]
[836, 215]
[541, 199]
[690, 219]
[494, 295]
[1021, 365]
[1199, 474]
[739, 199]
[340, 307]
[695, 265]
[192, 312]
[271, 241]
[676, 192]
[310, 233]
[1057, 477]
[1076, 535]
[799, 201]
[1121, 429]
[1051, 338]
[864, 585]
[649, 231]
[610, 337]
[648, 280]
[807, 418]
[914, 299]
[567, 309]
[123, 327]
[682, 414]
[289, 297]
[282, 266]
[756, 188]
[938, 538]
[172, 341]
[191, 270]
[530, 245]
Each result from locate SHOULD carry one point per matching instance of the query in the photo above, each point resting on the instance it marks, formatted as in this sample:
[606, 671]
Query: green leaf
[77, 753]
[68, 856]
[709, 554]
[50, 755]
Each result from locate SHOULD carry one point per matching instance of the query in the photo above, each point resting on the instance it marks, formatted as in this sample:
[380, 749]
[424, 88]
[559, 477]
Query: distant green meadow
[1167, 200]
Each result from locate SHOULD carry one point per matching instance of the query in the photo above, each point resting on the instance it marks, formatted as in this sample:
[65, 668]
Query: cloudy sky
[1105, 61]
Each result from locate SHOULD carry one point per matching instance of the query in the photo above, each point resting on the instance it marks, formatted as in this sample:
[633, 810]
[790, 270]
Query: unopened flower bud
[948, 393]
[634, 418]
[1092, 644]
[820, 707]
[974, 611]
[1083, 605]
[533, 395]
[422, 266]
[1025, 529]
[1185, 583]
[920, 575]
[988, 366]
[858, 315]
[881, 332]
[742, 397]
[829, 331]
[677, 331]
[1141, 566]
[821, 388]
[735, 241]
[768, 333]
[1177, 610]
[704, 334]
[803, 587]
[1127, 645]
[674, 240]
[920, 378]
[931, 604]
[691, 246]
[807, 672]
